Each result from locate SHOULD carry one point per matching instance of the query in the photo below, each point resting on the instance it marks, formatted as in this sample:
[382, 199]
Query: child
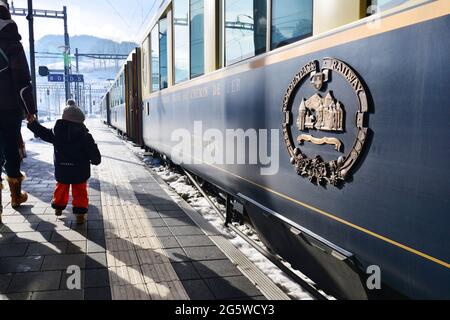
[75, 151]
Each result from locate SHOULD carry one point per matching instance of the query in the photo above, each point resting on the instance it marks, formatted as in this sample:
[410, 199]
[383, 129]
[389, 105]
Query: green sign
[67, 60]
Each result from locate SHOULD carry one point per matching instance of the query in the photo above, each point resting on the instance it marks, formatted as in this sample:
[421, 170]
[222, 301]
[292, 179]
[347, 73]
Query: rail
[276, 261]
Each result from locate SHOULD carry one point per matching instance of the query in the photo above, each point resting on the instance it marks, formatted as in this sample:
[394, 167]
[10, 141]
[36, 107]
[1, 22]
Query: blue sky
[120, 20]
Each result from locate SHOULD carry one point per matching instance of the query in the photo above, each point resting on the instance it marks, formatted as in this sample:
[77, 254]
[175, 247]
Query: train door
[137, 99]
[108, 109]
[129, 98]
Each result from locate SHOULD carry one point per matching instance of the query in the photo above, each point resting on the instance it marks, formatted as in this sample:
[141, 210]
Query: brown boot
[17, 195]
[81, 219]
[1, 206]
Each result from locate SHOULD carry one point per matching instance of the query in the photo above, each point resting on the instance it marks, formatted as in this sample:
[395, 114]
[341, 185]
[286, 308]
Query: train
[325, 123]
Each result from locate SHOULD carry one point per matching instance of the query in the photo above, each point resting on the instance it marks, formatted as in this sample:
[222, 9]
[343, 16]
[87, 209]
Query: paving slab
[46, 248]
[59, 295]
[197, 290]
[204, 253]
[64, 261]
[194, 241]
[13, 249]
[186, 230]
[96, 260]
[16, 296]
[97, 278]
[186, 271]
[216, 268]
[35, 281]
[21, 264]
[95, 246]
[76, 247]
[101, 294]
[5, 280]
[232, 287]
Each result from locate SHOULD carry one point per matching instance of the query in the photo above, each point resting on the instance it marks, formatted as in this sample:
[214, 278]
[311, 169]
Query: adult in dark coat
[16, 100]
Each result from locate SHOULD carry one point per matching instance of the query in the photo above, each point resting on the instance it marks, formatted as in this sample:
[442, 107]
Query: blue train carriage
[125, 102]
[347, 104]
[117, 103]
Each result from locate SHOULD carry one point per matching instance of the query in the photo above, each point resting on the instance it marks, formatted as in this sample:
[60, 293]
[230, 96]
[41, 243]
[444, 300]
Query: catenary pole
[32, 53]
[66, 54]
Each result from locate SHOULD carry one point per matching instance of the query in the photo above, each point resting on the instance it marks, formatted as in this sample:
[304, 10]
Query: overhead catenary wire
[147, 15]
[119, 15]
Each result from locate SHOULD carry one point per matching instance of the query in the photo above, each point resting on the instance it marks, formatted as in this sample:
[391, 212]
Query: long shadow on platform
[46, 227]
[46, 170]
[163, 290]
[122, 160]
[25, 268]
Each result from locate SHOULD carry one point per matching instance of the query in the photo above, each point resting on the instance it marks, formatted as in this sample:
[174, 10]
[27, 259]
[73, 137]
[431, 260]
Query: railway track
[314, 292]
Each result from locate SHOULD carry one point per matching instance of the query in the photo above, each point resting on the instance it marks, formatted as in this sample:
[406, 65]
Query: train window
[382, 5]
[122, 89]
[291, 21]
[189, 42]
[155, 58]
[163, 54]
[197, 38]
[145, 63]
[245, 29]
[181, 39]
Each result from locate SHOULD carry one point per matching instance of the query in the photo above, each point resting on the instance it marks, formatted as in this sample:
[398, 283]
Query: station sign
[75, 78]
[55, 78]
[61, 77]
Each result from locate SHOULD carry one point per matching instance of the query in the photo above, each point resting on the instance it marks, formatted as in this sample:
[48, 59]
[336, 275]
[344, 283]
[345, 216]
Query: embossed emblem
[319, 78]
[321, 113]
[321, 120]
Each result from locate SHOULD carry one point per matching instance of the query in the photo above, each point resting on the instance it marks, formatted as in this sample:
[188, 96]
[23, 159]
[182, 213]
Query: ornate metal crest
[319, 78]
[326, 114]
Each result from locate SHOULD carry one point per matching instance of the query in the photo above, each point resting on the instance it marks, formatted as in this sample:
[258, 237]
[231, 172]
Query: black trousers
[10, 125]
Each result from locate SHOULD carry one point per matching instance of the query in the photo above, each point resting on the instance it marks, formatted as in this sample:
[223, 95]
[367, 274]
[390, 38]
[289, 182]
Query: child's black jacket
[75, 150]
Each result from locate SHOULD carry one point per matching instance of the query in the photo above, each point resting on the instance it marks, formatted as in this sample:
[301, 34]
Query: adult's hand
[31, 118]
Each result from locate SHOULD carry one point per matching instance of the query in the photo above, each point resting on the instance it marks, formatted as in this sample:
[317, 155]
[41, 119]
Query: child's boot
[81, 219]
[17, 195]
[58, 212]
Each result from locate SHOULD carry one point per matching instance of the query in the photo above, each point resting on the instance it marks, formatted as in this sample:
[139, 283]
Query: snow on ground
[189, 193]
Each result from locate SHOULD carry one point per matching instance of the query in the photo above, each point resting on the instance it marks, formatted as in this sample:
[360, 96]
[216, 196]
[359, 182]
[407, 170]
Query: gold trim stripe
[329, 215]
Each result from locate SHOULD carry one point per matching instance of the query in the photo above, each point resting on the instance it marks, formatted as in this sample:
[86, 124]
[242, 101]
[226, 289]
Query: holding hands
[31, 118]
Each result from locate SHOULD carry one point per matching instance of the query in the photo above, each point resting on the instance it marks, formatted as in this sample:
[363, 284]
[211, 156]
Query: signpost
[56, 78]
[75, 78]
[59, 77]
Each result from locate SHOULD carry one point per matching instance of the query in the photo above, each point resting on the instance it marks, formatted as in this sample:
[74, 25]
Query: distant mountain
[85, 44]
[94, 70]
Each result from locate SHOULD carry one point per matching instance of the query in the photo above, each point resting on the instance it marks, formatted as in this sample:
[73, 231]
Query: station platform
[141, 240]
